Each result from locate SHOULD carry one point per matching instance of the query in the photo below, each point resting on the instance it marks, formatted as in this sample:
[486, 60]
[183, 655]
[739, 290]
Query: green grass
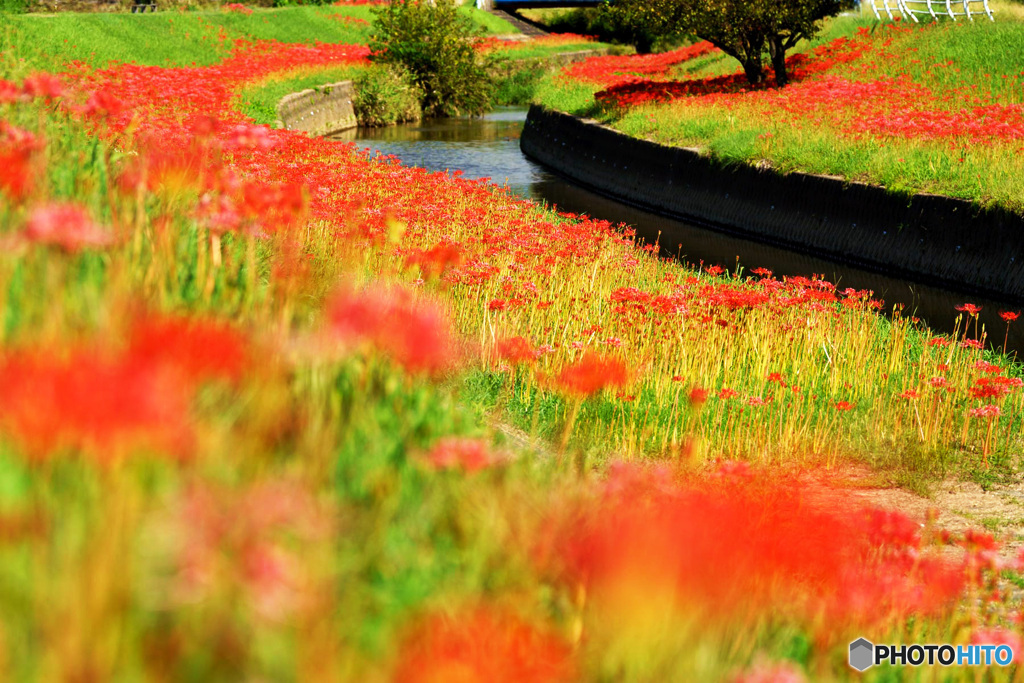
[984, 63]
[530, 50]
[175, 39]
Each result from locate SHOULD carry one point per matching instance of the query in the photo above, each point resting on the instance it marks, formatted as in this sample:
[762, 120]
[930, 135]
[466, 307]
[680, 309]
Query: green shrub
[435, 42]
[385, 94]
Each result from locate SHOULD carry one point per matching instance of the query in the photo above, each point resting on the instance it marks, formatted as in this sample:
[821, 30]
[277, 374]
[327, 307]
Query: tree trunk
[753, 70]
[778, 53]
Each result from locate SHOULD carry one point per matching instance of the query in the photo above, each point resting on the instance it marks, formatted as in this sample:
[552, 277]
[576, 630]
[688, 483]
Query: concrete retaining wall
[318, 111]
[928, 238]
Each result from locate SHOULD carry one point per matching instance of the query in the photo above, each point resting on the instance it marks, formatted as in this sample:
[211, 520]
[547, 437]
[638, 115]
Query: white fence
[933, 9]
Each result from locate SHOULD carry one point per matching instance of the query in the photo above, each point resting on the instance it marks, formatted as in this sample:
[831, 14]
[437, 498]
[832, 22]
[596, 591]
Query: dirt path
[961, 505]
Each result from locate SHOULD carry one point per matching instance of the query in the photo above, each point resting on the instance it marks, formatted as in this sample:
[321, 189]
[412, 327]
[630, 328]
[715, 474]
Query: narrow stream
[488, 147]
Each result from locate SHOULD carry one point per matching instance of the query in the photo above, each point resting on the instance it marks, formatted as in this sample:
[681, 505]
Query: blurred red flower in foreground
[744, 545]
[195, 347]
[469, 454]
[106, 402]
[86, 401]
[482, 646]
[416, 334]
[17, 149]
[248, 539]
[516, 350]
[591, 374]
[66, 226]
[764, 671]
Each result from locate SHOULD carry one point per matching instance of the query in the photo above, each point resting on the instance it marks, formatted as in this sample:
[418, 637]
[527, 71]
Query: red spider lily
[87, 401]
[43, 85]
[237, 8]
[970, 309]
[726, 393]
[988, 368]
[765, 671]
[467, 454]
[591, 374]
[987, 411]
[416, 335]
[66, 226]
[516, 350]
[436, 260]
[647, 537]
[910, 395]
[482, 646]
[609, 70]
[843, 406]
[999, 636]
[103, 104]
[247, 539]
[1009, 316]
[249, 137]
[197, 348]
[9, 92]
[698, 396]
[17, 151]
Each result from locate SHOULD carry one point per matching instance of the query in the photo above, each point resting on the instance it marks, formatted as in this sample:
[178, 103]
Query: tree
[436, 44]
[746, 30]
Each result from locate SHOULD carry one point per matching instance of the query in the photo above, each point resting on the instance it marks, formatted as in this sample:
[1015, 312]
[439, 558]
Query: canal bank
[929, 239]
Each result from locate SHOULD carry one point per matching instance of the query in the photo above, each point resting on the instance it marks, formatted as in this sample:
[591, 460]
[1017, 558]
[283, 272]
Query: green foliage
[436, 44]
[13, 6]
[386, 94]
[742, 29]
[643, 23]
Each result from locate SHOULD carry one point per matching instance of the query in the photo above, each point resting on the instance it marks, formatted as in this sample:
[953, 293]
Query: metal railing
[933, 9]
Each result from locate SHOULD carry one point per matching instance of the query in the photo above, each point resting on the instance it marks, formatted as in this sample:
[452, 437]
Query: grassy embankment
[226, 446]
[931, 108]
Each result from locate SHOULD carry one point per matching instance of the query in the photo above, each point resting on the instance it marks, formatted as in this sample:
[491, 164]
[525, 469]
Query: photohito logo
[864, 654]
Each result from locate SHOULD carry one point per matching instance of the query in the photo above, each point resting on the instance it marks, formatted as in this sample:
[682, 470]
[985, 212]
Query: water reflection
[488, 147]
[481, 147]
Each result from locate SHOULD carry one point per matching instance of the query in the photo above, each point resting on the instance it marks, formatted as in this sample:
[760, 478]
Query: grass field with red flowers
[272, 409]
[930, 107]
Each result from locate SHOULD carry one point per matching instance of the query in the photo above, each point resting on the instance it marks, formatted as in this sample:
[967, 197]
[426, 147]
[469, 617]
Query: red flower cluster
[417, 335]
[110, 403]
[65, 226]
[246, 539]
[591, 374]
[786, 552]
[483, 646]
[85, 401]
[467, 454]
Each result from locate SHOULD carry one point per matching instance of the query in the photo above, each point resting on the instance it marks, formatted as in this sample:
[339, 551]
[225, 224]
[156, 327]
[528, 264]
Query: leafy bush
[385, 94]
[13, 6]
[437, 45]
